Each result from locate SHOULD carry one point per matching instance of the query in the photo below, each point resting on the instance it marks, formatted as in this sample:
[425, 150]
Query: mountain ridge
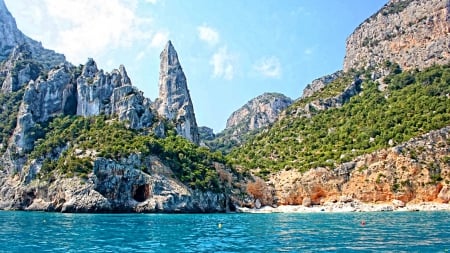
[79, 139]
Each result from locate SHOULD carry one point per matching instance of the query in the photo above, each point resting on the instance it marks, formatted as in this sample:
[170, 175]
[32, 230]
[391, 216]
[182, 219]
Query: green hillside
[414, 103]
[106, 138]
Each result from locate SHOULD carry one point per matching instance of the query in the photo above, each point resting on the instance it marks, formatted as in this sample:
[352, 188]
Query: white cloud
[159, 39]
[85, 28]
[151, 1]
[269, 67]
[208, 34]
[223, 63]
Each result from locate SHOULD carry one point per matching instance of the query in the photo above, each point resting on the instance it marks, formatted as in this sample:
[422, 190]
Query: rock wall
[416, 171]
[412, 33]
[174, 102]
[133, 184]
[18, 69]
[11, 36]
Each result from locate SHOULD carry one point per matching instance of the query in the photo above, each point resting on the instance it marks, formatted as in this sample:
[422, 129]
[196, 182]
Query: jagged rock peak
[174, 102]
[90, 69]
[258, 112]
[169, 56]
[412, 33]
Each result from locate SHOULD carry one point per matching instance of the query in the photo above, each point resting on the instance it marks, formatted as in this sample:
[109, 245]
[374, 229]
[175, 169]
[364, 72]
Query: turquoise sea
[307, 232]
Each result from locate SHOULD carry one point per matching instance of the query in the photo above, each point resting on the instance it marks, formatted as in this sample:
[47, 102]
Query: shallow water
[309, 232]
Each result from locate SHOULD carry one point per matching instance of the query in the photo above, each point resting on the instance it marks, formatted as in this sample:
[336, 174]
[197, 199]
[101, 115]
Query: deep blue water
[316, 232]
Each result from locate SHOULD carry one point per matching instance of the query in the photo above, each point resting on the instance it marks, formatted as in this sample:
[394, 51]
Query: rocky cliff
[412, 33]
[174, 102]
[415, 171]
[11, 37]
[114, 186]
[389, 61]
[79, 139]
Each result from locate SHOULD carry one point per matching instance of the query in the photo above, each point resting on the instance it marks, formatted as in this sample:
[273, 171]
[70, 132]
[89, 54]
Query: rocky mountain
[11, 37]
[365, 133]
[412, 33]
[255, 115]
[79, 139]
[174, 102]
[258, 112]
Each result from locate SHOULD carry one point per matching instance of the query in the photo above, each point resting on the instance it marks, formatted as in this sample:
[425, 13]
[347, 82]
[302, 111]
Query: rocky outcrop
[174, 102]
[254, 116]
[133, 184]
[319, 84]
[321, 104]
[18, 69]
[206, 133]
[41, 101]
[112, 94]
[258, 112]
[413, 172]
[412, 33]
[11, 37]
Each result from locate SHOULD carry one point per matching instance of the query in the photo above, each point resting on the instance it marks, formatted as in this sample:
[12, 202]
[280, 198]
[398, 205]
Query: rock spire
[174, 102]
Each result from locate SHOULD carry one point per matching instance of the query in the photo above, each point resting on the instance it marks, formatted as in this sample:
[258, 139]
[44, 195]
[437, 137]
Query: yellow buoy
[219, 225]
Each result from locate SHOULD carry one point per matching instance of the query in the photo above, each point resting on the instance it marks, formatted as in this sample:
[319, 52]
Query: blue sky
[231, 51]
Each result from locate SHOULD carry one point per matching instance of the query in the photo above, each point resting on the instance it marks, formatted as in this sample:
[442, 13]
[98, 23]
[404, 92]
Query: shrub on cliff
[416, 102]
[84, 138]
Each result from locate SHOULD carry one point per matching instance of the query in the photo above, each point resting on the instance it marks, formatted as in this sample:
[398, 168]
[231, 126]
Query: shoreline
[340, 207]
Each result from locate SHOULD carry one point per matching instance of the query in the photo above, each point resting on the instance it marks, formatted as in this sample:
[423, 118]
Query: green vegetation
[414, 103]
[9, 107]
[193, 165]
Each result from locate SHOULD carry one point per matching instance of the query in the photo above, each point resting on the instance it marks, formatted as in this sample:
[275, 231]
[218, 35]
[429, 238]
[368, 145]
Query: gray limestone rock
[18, 69]
[320, 83]
[174, 102]
[11, 36]
[258, 112]
[412, 33]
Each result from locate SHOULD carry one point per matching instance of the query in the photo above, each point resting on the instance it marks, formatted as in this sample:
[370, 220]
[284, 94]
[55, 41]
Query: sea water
[281, 232]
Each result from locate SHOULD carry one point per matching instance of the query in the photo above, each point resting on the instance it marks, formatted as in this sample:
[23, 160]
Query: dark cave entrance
[141, 193]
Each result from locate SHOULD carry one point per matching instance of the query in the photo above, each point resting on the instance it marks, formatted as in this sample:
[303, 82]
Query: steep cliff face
[11, 36]
[41, 101]
[412, 33]
[114, 186]
[18, 69]
[174, 102]
[415, 171]
[65, 92]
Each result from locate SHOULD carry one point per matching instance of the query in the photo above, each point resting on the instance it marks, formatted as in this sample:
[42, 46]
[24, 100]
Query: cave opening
[141, 193]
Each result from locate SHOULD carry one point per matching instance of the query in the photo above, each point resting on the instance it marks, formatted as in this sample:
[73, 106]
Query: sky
[231, 51]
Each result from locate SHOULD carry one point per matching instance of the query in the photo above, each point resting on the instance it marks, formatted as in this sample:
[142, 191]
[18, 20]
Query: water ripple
[320, 232]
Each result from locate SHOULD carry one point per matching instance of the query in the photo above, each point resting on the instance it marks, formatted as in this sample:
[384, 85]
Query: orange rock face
[417, 171]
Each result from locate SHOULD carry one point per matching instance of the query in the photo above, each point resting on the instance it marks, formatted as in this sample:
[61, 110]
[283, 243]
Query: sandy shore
[349, 207]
